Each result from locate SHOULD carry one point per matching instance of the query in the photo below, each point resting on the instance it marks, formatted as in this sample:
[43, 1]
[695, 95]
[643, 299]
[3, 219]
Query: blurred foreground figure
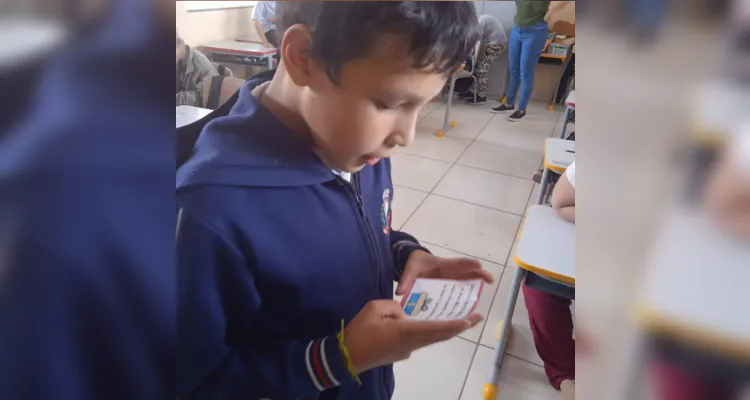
[729, 189]
[87, 278]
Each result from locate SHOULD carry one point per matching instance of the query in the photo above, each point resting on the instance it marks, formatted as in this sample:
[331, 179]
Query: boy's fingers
[423, 333]
[406, 281]
[388, 308]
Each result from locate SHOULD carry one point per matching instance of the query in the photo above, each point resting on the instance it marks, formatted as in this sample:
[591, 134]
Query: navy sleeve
[218, 298]
[402, 245]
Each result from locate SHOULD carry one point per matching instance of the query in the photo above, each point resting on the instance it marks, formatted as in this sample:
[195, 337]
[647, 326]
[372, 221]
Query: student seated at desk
[728, 195]
[285, 251]
[192, 68]
[549, 315]
[492, 44]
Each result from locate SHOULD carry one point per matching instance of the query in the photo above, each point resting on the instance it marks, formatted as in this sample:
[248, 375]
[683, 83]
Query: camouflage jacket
[190, 76]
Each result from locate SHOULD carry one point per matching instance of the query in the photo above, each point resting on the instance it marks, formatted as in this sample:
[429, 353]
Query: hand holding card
[441, 299]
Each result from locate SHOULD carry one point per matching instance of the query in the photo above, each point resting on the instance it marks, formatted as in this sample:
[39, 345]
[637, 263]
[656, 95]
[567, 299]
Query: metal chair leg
[544, 183]
[493, 380]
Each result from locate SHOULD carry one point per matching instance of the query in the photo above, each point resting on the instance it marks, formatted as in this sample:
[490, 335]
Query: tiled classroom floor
[465, 195]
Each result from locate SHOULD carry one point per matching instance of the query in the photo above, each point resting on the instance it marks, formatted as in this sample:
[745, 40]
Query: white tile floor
[465, 195]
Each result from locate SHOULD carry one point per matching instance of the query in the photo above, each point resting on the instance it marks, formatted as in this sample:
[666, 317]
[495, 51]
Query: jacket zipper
[356, 191]
[374, 245]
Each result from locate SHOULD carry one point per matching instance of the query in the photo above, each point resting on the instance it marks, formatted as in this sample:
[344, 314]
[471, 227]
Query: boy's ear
[295, 54]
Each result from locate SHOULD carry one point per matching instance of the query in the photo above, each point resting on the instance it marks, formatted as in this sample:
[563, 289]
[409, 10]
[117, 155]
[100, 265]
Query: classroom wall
[203, 27]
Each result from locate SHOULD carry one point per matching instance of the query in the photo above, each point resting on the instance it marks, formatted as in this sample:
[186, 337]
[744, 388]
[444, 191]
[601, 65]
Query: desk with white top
[240, 52]
[188, 114]
[558, 155]
[696, 290]
[546, 248]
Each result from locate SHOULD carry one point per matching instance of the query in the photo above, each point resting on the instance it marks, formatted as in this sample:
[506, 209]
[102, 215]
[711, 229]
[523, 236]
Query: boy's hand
[381, 334]
[424, 265]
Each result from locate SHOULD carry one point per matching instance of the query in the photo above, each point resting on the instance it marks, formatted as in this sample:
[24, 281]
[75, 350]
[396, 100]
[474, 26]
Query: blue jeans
[524, 48]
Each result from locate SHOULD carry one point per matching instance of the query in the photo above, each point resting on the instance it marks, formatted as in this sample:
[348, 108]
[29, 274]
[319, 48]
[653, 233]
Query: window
[215, 5]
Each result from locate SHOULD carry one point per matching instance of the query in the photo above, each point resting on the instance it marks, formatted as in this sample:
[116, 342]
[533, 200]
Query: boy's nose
[404, 134]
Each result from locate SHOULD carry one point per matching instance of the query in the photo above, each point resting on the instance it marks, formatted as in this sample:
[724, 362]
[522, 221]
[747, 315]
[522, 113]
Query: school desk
[693, 307]
[570, 106]
[717, 109]
[244, 53]
[189, 114]
[558, 155]
[696, 285]
[546, 249]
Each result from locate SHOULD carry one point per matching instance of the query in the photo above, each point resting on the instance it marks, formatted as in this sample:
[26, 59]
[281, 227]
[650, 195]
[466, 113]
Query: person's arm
[200, 68]
[261, 34]
[728, 195]
[564, 199]
[259, 12]
[217, 290]
[555, 8]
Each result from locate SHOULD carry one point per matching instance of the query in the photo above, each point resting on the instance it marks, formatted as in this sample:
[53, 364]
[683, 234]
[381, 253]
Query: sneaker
[503, 107]
[480, 100]
[517, 115]
[568, 389]
[466, 95]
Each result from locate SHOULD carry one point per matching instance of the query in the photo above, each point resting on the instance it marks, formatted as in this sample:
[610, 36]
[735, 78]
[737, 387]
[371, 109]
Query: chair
[219, 89]
[460, 74]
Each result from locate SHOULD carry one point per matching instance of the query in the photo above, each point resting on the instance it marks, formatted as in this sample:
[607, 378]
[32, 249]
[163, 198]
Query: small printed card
[441, 300]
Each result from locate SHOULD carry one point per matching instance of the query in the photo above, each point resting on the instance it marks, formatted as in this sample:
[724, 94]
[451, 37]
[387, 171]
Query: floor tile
[467, 228]
[417, 172]
[488, 293]
[435, 372]
[427, 144]
[519, 380]
[489, 189]
[429, 108]
[524, 135]
[405, 201]
[505, 160]
[467, 127]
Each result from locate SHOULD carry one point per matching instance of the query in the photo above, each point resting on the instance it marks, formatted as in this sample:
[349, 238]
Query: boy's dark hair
[442, 33]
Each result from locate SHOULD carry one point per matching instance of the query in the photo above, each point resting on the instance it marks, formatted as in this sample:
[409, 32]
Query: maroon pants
[552, 328]
[674, 382]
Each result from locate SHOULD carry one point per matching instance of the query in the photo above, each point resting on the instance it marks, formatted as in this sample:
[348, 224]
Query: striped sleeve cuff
[401, 252]
[325, 365]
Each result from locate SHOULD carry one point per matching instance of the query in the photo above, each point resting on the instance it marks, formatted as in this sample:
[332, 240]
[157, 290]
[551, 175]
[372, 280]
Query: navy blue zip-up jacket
[88, 283]
[274, 251]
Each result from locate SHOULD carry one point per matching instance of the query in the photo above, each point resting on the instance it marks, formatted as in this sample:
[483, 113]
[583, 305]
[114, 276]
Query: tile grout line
[511, 355]
[438, 182]
[466, 254]
[484, 206]
[470, 166]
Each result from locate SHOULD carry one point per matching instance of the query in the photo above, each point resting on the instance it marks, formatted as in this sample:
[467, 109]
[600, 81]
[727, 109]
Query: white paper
[441, 300]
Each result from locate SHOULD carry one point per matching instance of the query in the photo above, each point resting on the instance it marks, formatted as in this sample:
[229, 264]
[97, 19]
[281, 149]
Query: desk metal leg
[566, 117]
[447, 122]
[493, 380]
[270, 62]
[543, 184]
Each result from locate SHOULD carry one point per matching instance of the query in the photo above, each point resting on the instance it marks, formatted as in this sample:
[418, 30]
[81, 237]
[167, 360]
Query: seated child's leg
[674, 382]
[552, 327]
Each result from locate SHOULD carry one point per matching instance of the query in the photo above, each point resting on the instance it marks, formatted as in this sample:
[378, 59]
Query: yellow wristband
[345, 354]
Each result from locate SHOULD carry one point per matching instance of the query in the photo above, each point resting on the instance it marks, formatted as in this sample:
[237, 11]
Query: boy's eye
[383, 106]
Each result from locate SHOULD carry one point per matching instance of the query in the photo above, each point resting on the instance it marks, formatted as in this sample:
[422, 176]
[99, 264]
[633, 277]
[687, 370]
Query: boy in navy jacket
[284, 223]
